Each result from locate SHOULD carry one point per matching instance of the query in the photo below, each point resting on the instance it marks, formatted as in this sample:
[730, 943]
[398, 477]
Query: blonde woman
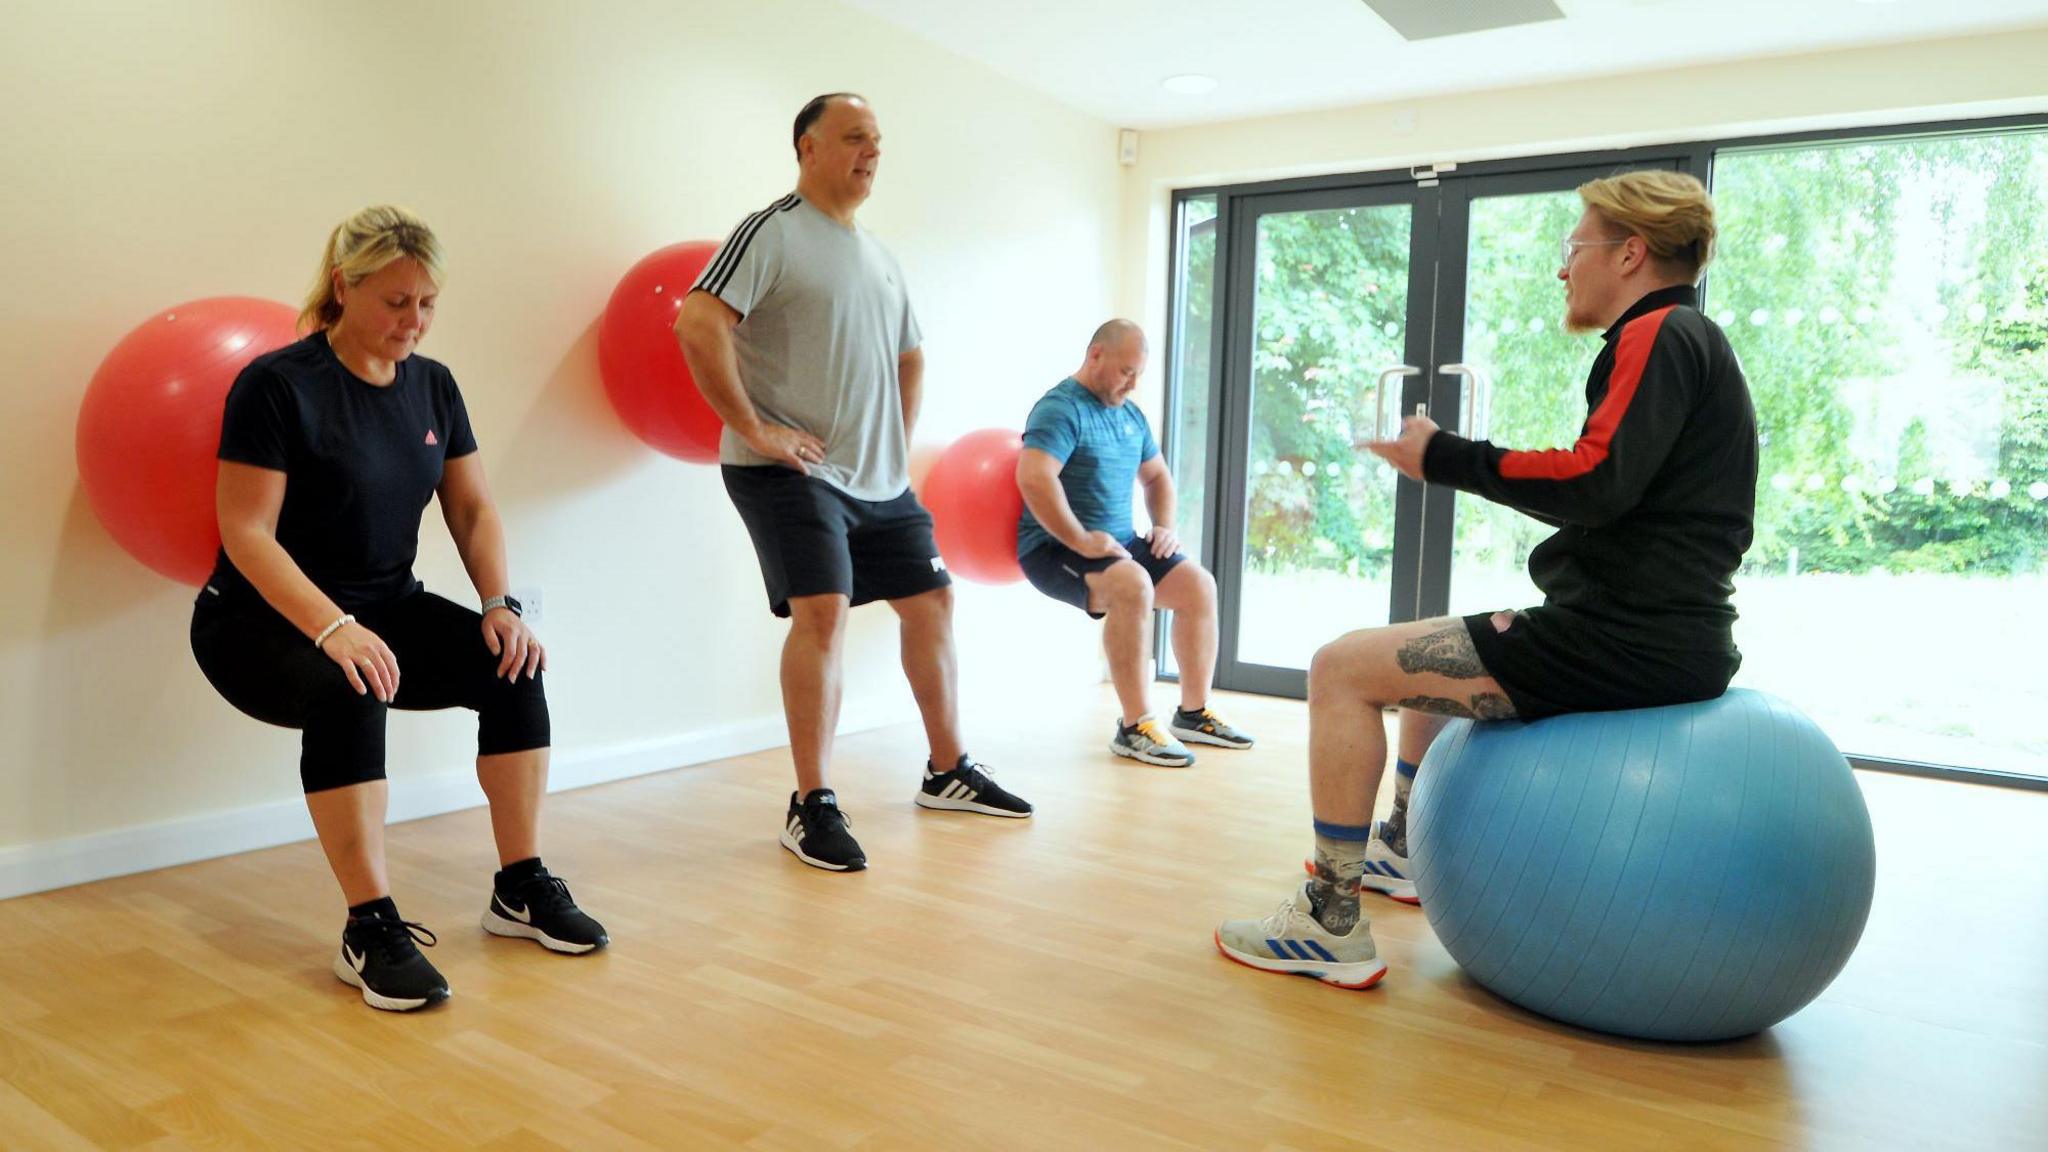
[330, 449]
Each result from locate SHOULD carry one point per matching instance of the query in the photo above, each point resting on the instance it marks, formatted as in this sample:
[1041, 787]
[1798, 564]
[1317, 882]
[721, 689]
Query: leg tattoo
[1447, 652]
[1484, 706]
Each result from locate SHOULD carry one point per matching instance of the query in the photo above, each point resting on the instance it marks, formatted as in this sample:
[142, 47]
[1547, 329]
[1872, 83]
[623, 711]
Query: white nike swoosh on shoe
[356, 959]
[523, 915]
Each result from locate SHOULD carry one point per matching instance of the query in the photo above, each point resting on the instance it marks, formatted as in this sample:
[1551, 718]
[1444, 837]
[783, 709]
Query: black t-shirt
[360, 463]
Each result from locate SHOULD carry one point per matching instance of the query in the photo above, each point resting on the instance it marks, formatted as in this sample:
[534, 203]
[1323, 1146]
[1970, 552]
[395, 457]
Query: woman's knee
[341, 739]
[513, 717]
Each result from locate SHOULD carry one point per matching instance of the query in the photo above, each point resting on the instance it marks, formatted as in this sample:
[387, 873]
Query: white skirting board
[39, 867]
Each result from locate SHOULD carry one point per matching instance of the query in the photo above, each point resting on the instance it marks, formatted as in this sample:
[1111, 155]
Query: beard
[1578, 322]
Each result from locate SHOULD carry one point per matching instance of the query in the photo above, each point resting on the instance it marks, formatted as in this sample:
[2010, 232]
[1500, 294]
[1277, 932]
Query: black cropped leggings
[263, 666]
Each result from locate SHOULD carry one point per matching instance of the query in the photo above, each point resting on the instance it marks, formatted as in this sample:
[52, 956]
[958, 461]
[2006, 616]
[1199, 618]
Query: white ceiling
[1107, 57]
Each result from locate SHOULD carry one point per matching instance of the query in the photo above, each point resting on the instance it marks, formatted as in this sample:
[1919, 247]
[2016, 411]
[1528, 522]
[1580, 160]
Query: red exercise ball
[642, 364]
[972, 495]
[149, 428]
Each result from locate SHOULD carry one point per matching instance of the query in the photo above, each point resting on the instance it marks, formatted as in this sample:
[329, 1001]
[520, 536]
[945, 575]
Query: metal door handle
[1475, 399]
[1379, 403]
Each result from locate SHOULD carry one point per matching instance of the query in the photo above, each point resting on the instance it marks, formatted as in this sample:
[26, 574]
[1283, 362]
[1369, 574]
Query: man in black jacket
[1654, 506]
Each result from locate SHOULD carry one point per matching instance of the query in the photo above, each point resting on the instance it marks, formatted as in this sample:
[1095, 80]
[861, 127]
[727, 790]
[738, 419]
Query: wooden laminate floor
[985, 984]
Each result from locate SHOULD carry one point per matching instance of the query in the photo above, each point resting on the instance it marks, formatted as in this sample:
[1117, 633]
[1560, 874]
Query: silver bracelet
[342, 621]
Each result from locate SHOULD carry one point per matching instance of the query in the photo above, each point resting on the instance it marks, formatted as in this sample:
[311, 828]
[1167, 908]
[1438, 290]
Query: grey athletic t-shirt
[824, 315]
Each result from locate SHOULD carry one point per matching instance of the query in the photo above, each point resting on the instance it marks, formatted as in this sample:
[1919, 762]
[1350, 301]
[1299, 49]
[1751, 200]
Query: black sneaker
[816, 831]
[969, 787]
[380, 956]
[539, 908]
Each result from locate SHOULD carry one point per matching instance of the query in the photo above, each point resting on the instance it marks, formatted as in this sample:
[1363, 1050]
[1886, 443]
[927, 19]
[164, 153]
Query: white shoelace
[1280, 923]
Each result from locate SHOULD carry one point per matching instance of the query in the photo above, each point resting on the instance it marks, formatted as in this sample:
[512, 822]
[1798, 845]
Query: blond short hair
[362, 245]
[1671, 211]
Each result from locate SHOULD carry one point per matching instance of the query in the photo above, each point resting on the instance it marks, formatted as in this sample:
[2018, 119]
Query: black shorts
[813, 540]
[1552, 660]
[1061, 573]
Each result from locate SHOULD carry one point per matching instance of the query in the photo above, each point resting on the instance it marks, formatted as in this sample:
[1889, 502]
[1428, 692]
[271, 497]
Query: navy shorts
[1061, 573]
[813, 540]
[1553, 660]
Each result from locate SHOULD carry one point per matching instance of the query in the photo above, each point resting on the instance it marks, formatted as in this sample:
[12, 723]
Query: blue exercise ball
[1696, 872]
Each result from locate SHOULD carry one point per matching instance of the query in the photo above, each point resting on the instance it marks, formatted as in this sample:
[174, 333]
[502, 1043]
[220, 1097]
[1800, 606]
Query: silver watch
[503, 602]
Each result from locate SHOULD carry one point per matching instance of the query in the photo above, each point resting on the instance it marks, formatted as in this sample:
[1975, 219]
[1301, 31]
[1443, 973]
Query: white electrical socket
[529, 603]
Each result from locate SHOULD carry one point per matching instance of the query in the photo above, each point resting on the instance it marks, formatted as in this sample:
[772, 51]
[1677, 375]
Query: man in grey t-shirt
[800, 335]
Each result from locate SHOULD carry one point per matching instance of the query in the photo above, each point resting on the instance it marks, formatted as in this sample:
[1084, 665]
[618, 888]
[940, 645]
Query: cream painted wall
[1968, 77]
[155, 153]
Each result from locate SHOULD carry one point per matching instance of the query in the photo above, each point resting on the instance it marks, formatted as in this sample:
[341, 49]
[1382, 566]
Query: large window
[1889, 300]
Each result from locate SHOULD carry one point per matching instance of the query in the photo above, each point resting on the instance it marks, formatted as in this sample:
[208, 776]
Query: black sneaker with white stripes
[969, 787]
[538, 907]
[816, 831]
[381, 956]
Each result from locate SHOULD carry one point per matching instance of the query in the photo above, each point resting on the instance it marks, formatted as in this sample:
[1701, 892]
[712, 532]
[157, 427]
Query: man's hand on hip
[788, 446]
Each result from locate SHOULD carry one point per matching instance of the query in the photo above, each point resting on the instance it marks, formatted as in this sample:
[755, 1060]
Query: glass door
[1324, 352]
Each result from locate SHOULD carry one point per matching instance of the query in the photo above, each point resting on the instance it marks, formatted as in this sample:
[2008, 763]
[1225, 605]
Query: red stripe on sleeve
[1591, 450]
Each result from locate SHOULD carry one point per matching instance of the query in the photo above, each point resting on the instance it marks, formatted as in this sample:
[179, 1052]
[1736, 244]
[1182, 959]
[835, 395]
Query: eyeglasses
[1570, 247]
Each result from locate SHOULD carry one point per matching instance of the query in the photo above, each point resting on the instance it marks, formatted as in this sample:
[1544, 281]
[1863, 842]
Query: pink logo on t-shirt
[430, 437]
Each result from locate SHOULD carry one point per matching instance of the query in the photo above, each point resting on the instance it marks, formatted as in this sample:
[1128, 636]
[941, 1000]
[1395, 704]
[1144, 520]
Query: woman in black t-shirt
[330, 449]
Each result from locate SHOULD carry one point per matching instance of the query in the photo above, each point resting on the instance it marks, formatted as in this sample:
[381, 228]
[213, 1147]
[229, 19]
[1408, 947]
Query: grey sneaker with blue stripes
[1291, 941]
[1386, 870]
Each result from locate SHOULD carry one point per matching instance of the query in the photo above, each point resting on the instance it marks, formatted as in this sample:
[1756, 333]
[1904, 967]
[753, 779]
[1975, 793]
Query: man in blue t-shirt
[1084, 445]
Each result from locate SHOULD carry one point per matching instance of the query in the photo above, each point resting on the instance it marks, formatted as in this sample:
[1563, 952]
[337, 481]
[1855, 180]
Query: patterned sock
[1340, 861]
[1396, 834]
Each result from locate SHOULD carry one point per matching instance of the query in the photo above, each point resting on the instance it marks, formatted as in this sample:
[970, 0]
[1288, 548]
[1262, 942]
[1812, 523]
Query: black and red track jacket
[1656, 502]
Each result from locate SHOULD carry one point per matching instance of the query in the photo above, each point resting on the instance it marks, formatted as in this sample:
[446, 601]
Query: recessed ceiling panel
[1429, 19]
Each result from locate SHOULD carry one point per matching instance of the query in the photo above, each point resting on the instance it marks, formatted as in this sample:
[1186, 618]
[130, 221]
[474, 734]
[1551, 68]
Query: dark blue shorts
[1061, 573]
